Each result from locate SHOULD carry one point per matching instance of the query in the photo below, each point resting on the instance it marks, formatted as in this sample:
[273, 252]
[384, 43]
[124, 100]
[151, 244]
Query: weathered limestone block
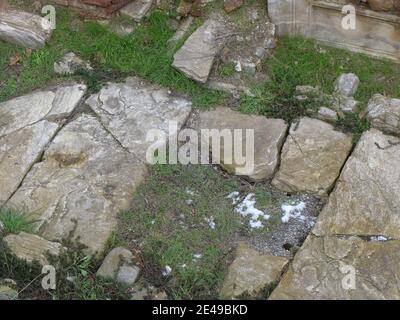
[137, 9]
[347, 84]
[327, 114]
[251, 273]
[118, 265]
[70, 64]
[269, 135]
[312, 157]
[130, 110]
[376, 33]
[196, 57]
[183, 28]
[366, 198]
[30, 247]
[384, 113]
[8, 289]
[27, 124]
[384, 5]
[323, 269]
[83, 181]
[100, 8]
[24, 28]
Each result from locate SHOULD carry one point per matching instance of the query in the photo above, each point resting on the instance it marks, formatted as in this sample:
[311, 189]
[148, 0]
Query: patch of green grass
[15, 222]
[353, 123]
[144, 53]
[298, 61]
[226, 70]
[169, 231]
[75, 277]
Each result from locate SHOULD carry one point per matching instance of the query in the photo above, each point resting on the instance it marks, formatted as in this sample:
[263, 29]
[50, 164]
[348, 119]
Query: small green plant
[76, 277]
[15, 222]
[353, 123]
[226, 70]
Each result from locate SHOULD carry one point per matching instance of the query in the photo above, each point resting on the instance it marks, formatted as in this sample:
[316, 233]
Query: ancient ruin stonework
[377, 33]
[101, 8]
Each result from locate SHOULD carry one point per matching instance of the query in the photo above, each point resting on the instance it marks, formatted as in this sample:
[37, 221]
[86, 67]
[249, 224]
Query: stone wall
[101, 8]
[377, 33]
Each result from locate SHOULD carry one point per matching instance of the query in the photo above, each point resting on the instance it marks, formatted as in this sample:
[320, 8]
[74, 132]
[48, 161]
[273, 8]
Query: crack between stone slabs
[363, 237]
[278, 165]
[335, 183]
[39, 157]
[98, 118]
[274, 285]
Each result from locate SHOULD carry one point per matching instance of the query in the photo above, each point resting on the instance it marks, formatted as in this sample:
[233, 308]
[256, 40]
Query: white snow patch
[197, 255]
[293, 211]
[210, 222]
[234, 196]
[167, 271]
[378, 238]
[247, 208]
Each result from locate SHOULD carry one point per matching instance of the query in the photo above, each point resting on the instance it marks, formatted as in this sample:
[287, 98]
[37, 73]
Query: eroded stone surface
[347, 84]
[84, 180]
[70, 64]
[327, 114]
[137, 9]
[26, 128]
[251, 273]
[130, 110]
[312, 157]
[8, 289]
[384, 113]
[269, 135]
[366, 198]
[118, 265]
[321, 270]
[196, 57]
[30, 247]
[24, 28]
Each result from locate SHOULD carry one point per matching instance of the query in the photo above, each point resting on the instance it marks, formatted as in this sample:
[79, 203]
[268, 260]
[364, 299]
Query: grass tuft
[15, 222]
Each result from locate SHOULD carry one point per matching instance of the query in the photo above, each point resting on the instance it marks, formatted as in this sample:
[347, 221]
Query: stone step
[24, 28]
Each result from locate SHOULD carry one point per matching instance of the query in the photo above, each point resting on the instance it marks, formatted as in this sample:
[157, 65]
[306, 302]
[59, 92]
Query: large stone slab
[312, 157]
[30, 247]
[130, 110]
[251, 273]
[24, 28]
[83, 181]
[376, 33]
[366, 198]
[384, 113]
[196, 57]
[27, 124]
[269, 135]
[342, 268]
